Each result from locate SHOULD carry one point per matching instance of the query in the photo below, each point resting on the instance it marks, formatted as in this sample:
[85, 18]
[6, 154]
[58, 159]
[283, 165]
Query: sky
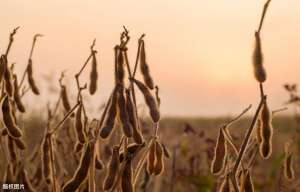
[199, 51]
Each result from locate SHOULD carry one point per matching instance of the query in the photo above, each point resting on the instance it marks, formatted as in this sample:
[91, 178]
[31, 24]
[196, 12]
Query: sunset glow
[200, 51]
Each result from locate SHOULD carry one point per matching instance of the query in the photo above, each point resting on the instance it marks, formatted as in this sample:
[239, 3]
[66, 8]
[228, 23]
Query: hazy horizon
[199, 52]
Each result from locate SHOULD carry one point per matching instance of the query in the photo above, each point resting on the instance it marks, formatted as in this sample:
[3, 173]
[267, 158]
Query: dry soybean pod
[82, 170]
[127, 185]
[31, 81]
[266, 132]
[289, 172]
[136, 133]
[9, 120]
[145, 68]
[288, 168]
[93, 75]
[151, 158]
[2, 67]
[20, 143]
[79, 129]
[120, 72]
[259, 70]
[150, 101]
[17, 97]
[112, 169]
[157, 96]
[46, 160]
[65, 99]
[145, 180]
[8, 81]
[258, 130]
[123, 115]
[110, 118]
[131, 149]
[159, 164]
[219, 159]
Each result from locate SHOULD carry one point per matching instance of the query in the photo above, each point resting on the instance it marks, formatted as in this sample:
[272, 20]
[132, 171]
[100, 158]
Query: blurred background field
[190, 142]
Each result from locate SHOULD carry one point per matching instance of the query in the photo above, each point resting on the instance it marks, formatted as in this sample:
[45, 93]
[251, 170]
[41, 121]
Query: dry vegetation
[126, 150]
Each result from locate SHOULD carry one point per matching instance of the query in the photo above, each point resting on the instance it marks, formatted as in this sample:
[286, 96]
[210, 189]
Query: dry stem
[263, 15]
[52, 163]
[11, 40]
[77, 75]
[64, 119]
[245, 143]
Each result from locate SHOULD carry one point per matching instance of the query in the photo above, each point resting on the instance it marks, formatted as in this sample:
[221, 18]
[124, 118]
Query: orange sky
[199, 51]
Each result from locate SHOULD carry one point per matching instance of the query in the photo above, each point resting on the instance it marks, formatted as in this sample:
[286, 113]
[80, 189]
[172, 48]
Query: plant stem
[263, 15]
[132, 89]
[85, 64]
[245, 143]
[80, 98]
[52, 164]
[238, 116]
[252, 159]
[11, 40]
[92, 187]
[77, 75]
[230, 141]
[131, 75]
[64, 119]
[3, 149]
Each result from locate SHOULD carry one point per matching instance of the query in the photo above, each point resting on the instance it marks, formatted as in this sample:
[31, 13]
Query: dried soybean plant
[81, 147]
[262, 111]
[29, 69]
[122, 110]
[235, 172]
[11, 104]
[83, 144]
[119, 117]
